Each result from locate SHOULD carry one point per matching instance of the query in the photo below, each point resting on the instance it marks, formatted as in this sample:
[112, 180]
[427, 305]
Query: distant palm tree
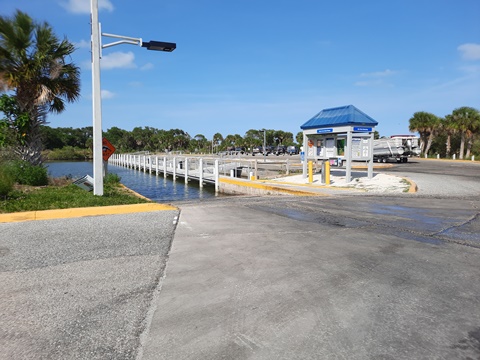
[467, 121]
[448, 127]
[34, 68]
[427, 125]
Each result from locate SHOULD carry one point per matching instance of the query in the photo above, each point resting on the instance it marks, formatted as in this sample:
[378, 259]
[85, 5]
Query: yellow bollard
[327, 172]
[310, 172]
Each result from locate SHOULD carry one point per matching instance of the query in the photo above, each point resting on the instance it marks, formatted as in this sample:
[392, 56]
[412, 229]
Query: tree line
[457, 133]
[160, 140]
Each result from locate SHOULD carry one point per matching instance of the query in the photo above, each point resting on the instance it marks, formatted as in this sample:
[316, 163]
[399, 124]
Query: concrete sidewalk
[244, 283]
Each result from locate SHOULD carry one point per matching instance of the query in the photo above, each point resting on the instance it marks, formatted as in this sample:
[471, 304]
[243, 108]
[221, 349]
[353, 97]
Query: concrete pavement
[264, 279]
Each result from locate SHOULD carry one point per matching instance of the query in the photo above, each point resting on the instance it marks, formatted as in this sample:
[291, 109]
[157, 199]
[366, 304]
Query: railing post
[185, 164]
[144, 163]
[165, 166]
[200, 172]
[174, 168]
[217, 176]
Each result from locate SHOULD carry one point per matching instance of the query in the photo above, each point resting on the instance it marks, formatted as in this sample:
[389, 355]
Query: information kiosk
[339, 132]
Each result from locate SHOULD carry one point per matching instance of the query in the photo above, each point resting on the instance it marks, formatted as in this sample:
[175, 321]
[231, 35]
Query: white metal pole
[217, 176]
[97, 103]
[370, 155]
[348, 152]
[200, 173]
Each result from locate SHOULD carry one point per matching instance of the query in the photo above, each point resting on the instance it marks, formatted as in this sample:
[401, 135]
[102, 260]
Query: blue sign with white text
[362, 129]
[321, 131]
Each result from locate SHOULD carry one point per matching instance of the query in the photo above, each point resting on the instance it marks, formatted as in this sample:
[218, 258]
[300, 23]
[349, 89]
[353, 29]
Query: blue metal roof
[339, 116]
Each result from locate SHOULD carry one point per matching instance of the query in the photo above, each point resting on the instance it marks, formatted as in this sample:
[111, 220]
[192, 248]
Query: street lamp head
[159, 46]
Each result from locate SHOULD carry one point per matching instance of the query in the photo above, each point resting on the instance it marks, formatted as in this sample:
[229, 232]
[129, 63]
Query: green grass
[65, 197]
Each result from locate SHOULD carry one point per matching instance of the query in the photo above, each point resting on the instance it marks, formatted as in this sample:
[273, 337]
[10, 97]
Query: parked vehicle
[396, 148]
[268, 150]
[260, 151]
[292, 150]
[280, 150]
[257, 150]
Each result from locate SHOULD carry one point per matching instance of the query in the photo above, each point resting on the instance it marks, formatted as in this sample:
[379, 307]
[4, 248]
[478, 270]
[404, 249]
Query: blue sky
[251, 64]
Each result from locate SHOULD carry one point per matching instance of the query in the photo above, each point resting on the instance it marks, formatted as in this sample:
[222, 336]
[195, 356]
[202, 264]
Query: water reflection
[154, 187]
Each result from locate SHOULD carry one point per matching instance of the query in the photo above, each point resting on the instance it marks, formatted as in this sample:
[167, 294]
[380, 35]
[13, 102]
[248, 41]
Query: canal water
[156, 188]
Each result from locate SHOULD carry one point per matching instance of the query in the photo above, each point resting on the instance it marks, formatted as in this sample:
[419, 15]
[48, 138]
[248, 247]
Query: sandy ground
[380, 183]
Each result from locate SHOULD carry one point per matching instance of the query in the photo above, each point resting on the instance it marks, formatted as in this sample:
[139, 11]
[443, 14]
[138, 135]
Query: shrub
[25, 173]
[6, 180]
[111, 179]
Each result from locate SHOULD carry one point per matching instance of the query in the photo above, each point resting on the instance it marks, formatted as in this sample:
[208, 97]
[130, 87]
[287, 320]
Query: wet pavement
[319, 278]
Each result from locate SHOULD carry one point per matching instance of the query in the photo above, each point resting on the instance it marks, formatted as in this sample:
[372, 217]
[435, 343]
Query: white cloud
[83, 6]
[147, 66]
[379, 74]
[470, 51]
[107, 94]
[376, 78]
[82, 44]
[115, 60]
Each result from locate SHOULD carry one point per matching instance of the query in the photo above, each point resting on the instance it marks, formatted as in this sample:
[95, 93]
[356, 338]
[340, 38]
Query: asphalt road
[440, 178]
[80, 288]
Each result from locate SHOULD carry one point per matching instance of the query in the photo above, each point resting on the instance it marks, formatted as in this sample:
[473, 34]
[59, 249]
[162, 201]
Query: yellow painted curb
[413, 187]
[256, 185]
[81, 212]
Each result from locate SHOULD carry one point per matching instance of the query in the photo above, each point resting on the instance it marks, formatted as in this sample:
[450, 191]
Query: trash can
[180, 165]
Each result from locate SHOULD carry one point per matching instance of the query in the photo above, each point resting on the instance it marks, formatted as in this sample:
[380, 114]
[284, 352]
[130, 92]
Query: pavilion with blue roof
[321, 133]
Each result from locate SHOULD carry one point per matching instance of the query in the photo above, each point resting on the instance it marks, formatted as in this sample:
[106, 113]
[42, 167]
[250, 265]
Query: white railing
[203, 170]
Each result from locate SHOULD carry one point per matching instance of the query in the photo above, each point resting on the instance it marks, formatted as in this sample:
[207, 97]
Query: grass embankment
[64, 195]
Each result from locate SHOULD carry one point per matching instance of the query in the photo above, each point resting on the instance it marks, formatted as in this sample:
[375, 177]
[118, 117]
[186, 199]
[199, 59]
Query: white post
[150, 163]
[473, 157]
[305, 154]
[370, 155]
[438, 156]
[348, 152]
[217, 176]
[185, 164]
[144, 163]
[454, 156]
[164, 166]
[97, 103]
[174, 169]
[200, 172]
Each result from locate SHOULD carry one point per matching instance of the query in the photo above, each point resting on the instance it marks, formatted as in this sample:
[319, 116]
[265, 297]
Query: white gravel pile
[380, 183]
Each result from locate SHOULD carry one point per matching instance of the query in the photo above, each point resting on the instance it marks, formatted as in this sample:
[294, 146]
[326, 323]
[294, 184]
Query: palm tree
[34, 67]
[448, 127]
[467, 121]
[426, 124]
[216, 140]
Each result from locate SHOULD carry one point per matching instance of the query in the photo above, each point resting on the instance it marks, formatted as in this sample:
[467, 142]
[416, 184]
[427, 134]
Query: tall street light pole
[96, 43]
